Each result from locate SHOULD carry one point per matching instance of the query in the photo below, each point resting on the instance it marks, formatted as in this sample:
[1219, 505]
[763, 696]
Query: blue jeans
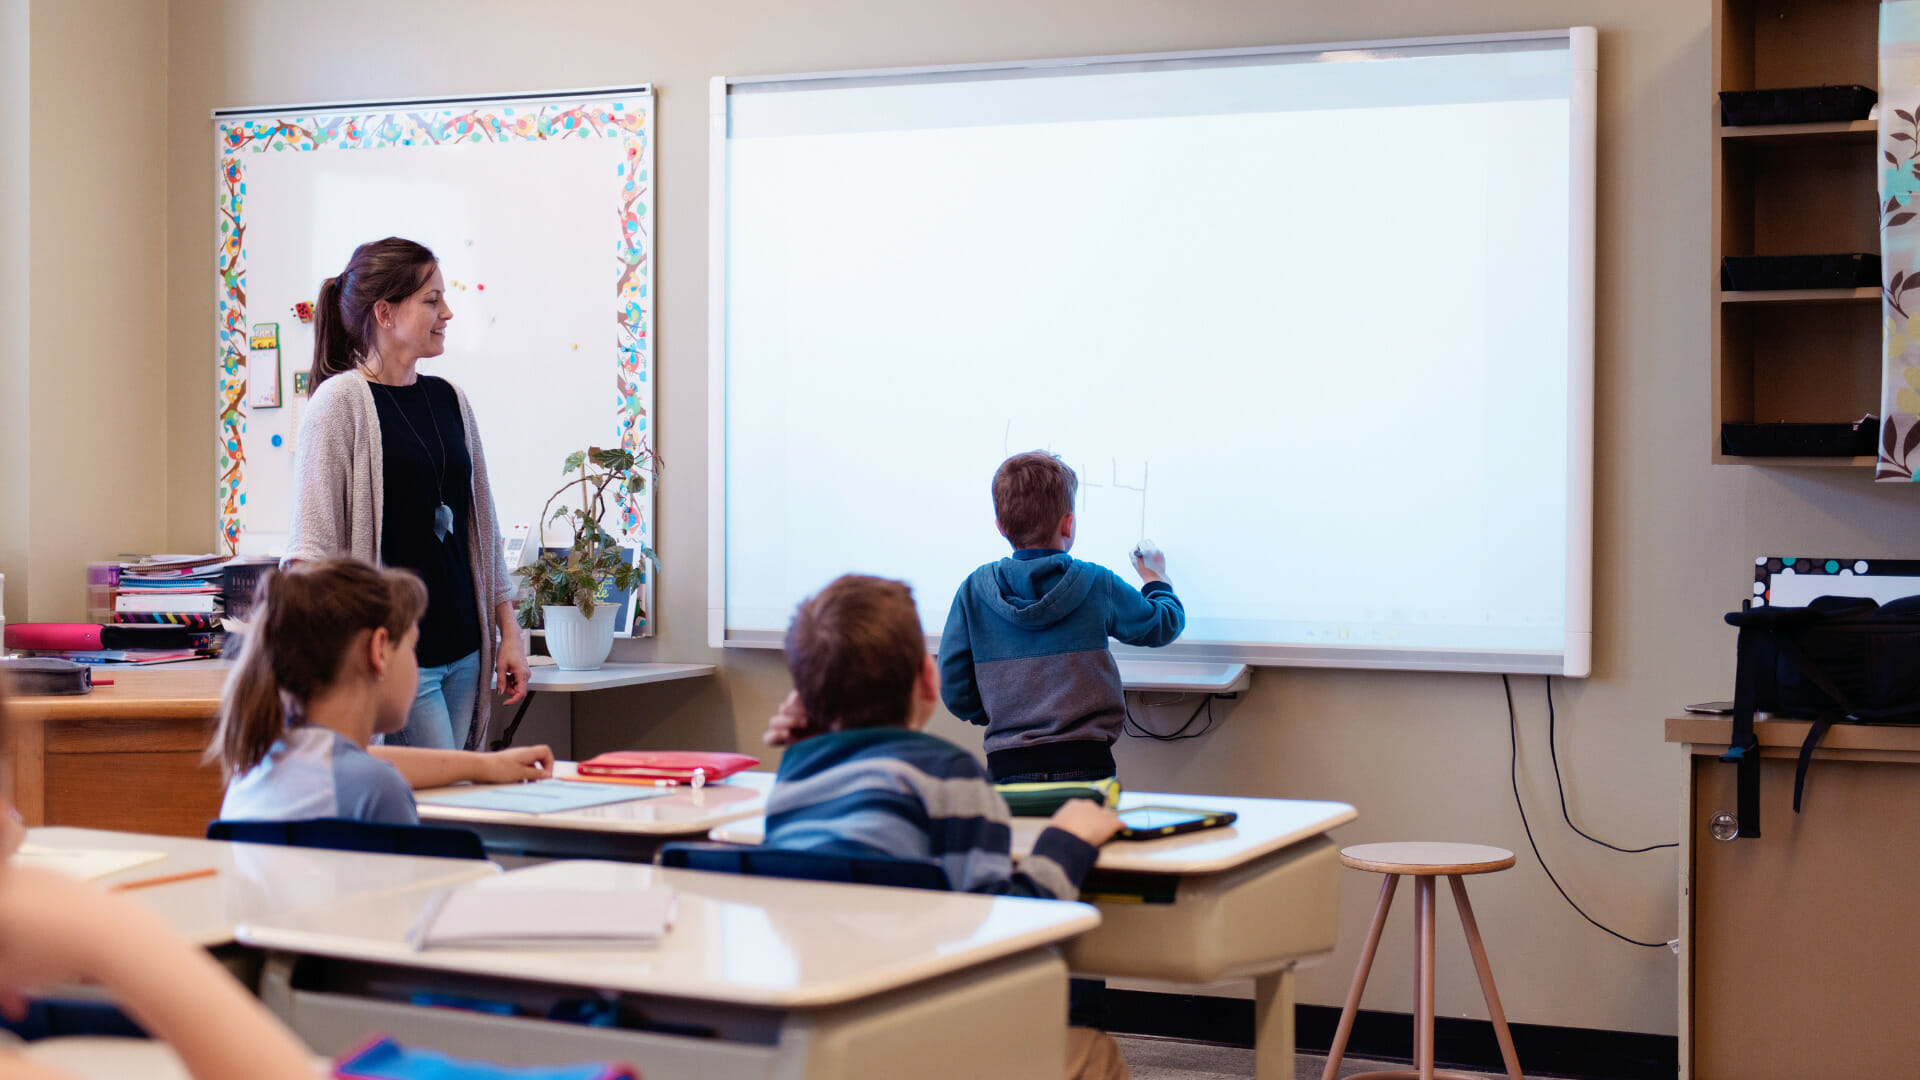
[442, 713]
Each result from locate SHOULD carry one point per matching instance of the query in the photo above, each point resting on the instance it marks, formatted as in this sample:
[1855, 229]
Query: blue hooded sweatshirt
[1025, 653]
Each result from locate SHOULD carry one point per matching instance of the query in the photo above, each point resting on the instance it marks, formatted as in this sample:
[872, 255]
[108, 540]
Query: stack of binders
[166, 590]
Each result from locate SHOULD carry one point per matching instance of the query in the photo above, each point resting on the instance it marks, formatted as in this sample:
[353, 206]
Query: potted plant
[569, 587]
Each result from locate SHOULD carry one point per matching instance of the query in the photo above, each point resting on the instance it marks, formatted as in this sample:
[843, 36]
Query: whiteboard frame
[1576, 656]
[634, 426]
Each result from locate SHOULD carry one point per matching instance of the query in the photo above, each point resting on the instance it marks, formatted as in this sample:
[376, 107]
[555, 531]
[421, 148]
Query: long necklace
[442, 514]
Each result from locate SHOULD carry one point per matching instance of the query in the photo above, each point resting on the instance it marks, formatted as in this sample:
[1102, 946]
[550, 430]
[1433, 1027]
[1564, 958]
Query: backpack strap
[1744, 750]
[1827, 718]
[1814, 734]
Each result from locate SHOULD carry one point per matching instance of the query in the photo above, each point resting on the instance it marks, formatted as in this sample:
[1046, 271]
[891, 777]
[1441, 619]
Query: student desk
[758, 978]
[127, 756]
[629, 831]
[1249, 900]
[253, 880]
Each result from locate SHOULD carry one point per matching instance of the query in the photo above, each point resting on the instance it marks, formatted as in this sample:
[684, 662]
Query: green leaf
[586, 604]
[574, 461]
[613, 461]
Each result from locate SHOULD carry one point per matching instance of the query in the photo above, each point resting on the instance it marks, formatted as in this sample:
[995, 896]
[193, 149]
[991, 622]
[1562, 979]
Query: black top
[419, 469]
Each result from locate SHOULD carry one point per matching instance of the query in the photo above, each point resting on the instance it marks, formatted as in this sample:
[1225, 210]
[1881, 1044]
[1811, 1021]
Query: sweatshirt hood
[1034, 593]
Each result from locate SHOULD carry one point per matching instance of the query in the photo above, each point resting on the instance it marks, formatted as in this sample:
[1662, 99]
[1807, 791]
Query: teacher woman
[389, 469]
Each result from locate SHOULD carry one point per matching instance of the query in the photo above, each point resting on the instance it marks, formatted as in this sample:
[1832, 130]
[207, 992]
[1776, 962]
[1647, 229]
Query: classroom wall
[1422, 756]
[14, 53]
[91, 374]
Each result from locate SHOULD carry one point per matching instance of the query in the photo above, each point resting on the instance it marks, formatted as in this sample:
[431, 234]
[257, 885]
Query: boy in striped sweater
[862, 778]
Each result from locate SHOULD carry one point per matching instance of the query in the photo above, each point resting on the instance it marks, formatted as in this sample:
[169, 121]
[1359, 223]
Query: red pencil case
[678, 766]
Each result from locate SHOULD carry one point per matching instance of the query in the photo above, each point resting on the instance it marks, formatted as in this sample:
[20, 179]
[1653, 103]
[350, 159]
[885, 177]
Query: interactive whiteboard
[1317, 320]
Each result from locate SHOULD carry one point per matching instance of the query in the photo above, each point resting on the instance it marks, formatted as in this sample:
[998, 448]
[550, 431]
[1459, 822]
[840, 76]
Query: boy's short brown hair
[1031, 493]
[854, 649]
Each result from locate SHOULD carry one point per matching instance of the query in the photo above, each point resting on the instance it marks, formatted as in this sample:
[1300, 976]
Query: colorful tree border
[626, 117]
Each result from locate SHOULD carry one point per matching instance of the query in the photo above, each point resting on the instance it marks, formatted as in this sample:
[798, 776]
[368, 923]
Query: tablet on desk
[1153, 822]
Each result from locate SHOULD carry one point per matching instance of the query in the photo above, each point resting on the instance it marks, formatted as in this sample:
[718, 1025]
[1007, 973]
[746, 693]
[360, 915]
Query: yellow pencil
[164, 879]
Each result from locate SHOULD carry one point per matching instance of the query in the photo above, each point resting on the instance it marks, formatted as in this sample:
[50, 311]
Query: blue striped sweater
[909, 795]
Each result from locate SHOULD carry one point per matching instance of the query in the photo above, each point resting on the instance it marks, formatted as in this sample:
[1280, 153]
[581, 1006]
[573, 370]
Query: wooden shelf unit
[1807, 355]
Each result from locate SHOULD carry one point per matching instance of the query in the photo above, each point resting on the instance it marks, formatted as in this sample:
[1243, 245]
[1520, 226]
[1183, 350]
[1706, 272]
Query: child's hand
[788, 725]
[517, 764]
[1087, 820]
[1149, 562]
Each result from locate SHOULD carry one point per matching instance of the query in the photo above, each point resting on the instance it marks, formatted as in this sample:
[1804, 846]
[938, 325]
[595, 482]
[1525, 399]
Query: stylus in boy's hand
[1149, 562]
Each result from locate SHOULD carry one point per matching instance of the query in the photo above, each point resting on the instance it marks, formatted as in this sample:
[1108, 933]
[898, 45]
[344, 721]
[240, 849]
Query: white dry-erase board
[1316, 319]
[540, 209]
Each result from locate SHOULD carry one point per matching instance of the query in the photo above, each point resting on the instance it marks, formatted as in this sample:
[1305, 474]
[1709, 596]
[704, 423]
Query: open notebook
[469, 918]
[84, 864]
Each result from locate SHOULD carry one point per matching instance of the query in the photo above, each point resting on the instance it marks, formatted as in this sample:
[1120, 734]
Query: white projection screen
[1317, 320]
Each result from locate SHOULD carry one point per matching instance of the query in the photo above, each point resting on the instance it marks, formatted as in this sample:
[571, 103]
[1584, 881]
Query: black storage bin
[1795, 105]
[237, 583]
[1801, 440]
[1760, 272]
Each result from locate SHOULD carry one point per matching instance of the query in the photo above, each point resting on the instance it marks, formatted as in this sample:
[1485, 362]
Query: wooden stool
[1423, 862]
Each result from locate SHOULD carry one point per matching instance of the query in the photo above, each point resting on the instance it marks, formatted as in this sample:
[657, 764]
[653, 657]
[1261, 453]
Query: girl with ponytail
[328, 665]
[389, 469]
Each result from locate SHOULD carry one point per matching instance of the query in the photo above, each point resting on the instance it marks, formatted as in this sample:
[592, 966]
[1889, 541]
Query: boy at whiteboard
[1025, 650]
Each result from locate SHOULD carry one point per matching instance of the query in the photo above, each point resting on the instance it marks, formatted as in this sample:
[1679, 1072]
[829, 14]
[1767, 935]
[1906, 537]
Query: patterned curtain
[1899, 146]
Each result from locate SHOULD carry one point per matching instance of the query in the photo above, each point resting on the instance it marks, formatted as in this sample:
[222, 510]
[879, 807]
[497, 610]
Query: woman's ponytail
[391, 270]
[333, 346]
[304, 621]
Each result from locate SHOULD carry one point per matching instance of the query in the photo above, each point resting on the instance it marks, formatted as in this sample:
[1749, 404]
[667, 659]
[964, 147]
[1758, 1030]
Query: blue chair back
[804, 865]
[341, 834]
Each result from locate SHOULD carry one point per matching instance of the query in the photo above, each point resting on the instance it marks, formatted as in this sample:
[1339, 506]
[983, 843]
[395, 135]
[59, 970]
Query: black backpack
[1840, 659]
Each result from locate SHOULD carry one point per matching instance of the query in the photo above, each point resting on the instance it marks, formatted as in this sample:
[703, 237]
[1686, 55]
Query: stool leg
[1479, 951]
[1419, 962]
[1423, 1020]
[1339, 1048]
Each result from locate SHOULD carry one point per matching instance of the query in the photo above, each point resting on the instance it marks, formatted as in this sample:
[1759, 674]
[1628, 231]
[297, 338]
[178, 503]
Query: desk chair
[804, 865]
[341, 834]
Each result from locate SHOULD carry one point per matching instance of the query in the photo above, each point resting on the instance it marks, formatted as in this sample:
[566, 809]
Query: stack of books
[168, 590]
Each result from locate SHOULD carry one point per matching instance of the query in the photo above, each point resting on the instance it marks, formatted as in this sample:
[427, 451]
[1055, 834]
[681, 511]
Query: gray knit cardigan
[337, 501]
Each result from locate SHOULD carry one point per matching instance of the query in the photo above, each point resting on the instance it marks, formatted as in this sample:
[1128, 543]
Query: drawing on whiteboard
[1117, 485]
[1109, 507]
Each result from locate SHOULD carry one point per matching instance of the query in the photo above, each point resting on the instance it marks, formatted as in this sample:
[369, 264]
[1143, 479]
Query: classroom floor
[1175, 1059]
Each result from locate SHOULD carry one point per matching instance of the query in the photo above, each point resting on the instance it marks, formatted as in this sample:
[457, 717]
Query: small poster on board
[263, 366]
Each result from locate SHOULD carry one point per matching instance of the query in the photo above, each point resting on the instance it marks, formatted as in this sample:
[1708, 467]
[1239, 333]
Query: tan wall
[97, 298]
[14, 237]
[1422, 756]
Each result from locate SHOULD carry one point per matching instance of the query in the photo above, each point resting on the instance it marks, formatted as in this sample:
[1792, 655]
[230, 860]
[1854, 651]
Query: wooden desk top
[753, 941]
[1263, 826]
[1711, 734]
[184, 691]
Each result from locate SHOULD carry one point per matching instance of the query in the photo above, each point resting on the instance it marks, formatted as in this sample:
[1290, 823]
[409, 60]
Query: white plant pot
[576, 643]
